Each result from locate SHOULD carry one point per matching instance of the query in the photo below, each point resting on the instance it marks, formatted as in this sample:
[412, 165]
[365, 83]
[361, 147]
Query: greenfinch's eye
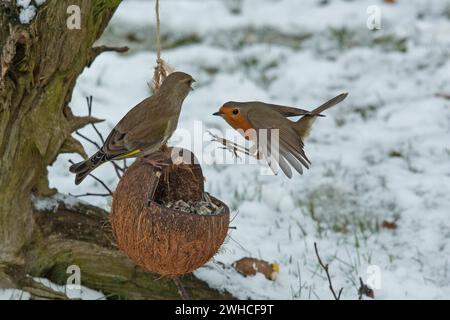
[235, 111]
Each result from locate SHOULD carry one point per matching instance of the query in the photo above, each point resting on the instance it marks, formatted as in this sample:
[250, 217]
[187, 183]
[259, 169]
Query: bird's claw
[215, 137]
[157, 163]
[230, 146]
[233, 151]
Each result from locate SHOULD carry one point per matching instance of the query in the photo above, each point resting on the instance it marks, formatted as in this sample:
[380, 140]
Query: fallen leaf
[365, 290]
[389, 225]
[250, 266]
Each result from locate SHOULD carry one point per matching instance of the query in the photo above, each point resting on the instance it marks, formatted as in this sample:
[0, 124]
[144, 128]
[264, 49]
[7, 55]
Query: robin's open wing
[287, 148]
[290, 111]
[286, 111]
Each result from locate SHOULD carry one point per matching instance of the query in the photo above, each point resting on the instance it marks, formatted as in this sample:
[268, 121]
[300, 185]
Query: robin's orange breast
[240, 123]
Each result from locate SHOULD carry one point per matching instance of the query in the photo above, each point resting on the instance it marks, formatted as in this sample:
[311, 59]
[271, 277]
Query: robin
[145, 129]
[250, 118]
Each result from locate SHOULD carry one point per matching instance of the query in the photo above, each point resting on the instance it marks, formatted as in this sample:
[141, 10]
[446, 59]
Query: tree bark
[39, 65]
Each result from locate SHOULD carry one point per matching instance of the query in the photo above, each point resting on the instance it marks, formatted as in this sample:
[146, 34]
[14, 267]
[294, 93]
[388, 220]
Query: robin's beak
[218, 113]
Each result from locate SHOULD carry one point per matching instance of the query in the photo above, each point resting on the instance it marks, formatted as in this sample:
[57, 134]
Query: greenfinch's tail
[83, 168]
[303, 126]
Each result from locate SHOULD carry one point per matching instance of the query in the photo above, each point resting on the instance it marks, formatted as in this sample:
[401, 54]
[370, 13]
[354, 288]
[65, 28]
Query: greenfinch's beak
[192, 82]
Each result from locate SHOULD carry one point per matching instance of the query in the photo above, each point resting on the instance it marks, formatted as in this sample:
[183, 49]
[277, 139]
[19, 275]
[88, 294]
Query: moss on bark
[39, 65]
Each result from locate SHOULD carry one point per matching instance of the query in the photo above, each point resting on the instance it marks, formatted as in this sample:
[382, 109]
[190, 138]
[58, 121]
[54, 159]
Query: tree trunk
[39, 65]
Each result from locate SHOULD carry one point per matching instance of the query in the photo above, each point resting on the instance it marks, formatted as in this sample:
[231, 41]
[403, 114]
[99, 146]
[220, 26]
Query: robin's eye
[235, 111]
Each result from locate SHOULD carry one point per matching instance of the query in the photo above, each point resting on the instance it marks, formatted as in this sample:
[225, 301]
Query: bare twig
[98, 180]
[443, 95]
[365, 290]
[240, 245]
[101, 49]
[237, 213]
[87, 139]
[89, 103]
[117, 168]
[88, 194]
[325, 267]
[115, 165]
[181, 289]
[96, 51]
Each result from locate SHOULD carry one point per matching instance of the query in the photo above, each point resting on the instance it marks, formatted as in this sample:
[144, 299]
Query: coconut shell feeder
[170, 241]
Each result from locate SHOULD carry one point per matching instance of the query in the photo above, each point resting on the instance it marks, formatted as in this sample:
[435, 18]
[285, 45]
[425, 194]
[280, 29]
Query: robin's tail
[83, 168]
[303, 126]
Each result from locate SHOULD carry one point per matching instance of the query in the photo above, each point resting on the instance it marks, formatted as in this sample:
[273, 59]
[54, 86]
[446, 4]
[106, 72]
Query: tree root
[81, 235]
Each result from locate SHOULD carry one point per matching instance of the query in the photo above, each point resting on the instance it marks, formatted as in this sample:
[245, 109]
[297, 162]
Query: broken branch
[96, 51]
[325, 267]
[88, 194]
[80, 122]
[98, 180]
[71, 145]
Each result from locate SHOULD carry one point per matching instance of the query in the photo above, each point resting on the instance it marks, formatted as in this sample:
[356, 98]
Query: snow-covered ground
[381, 155]
[72, 292]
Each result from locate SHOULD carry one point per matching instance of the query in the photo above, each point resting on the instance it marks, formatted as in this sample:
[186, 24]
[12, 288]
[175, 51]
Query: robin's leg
[235, 148]
[255, 153]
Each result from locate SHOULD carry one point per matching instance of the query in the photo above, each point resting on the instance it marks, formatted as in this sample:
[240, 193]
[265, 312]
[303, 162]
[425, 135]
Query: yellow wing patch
[129, 154]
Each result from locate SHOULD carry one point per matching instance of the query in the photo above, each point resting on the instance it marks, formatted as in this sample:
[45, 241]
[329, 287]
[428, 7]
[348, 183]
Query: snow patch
[52, 203]
[14, 294]
[28, 10]
[72, 292]
[382, 154]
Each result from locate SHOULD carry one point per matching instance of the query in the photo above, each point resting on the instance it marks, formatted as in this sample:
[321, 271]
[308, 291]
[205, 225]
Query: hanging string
[160, 71]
